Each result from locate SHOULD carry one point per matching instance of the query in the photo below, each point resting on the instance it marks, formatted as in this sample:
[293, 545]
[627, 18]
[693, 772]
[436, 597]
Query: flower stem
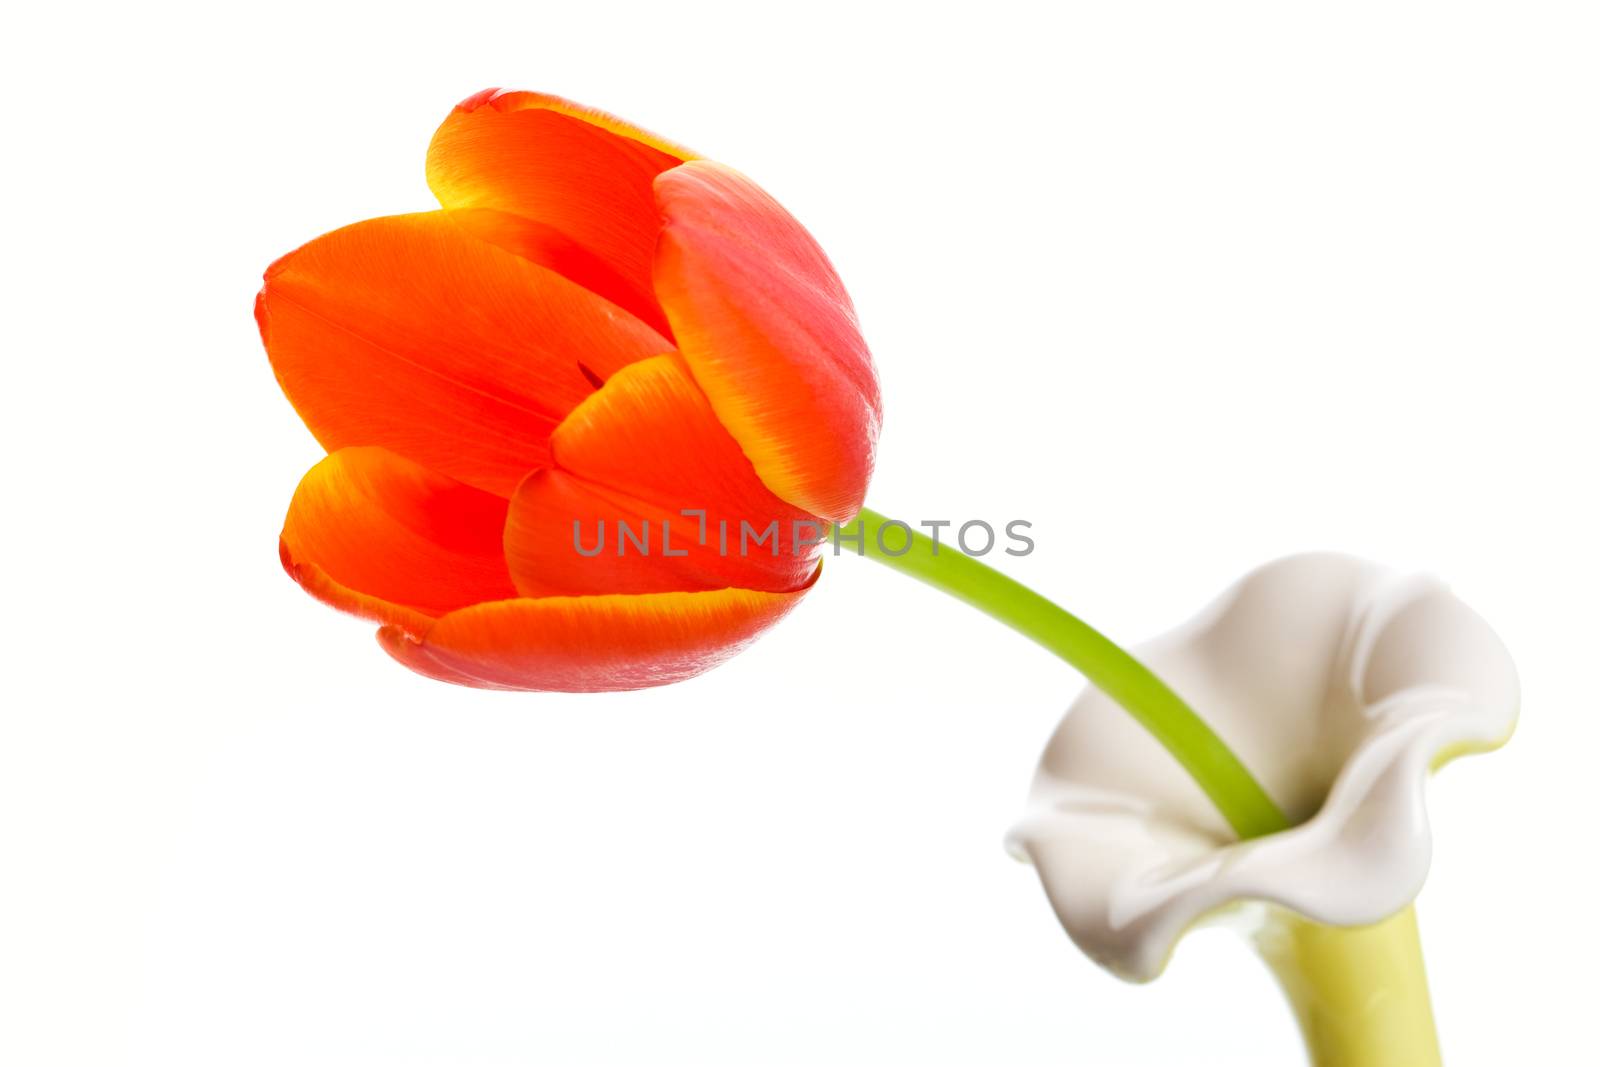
[1208, 760]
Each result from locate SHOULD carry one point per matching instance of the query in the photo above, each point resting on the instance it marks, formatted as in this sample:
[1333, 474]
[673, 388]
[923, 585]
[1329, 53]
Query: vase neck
[1359, 993]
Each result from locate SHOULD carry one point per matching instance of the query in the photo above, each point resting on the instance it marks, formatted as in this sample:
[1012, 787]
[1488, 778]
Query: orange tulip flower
[598, 327]
[601, 328]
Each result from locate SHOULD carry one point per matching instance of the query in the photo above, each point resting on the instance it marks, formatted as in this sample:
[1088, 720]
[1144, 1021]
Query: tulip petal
[567, 536]
[640, 452]
[382, 537]
[408, 333]
[766, 326]
[315, 581]
[589, 644]
[565, 186]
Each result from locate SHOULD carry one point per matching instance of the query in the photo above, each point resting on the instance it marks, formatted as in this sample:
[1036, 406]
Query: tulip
[597, 327]
[1342, 685]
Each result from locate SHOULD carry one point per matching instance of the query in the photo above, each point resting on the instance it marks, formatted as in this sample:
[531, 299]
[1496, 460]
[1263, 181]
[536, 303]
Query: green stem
[1213, 766]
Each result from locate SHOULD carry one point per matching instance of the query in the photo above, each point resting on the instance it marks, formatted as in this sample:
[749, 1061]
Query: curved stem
[1229, 784]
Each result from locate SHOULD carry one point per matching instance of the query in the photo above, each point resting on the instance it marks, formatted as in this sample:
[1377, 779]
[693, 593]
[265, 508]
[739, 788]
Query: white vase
[1341, 685]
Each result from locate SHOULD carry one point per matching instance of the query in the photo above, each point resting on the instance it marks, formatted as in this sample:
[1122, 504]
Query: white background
[1188, 286]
